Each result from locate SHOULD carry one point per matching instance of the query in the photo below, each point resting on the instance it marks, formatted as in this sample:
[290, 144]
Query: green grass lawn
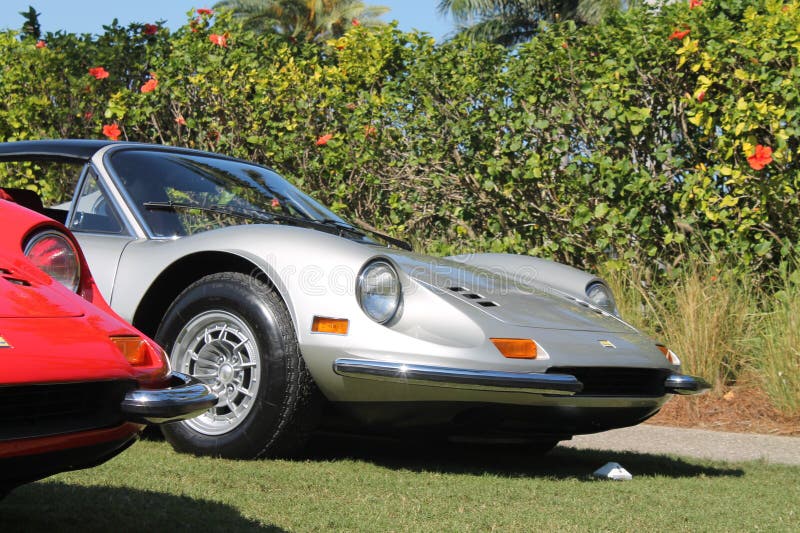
[376, 485]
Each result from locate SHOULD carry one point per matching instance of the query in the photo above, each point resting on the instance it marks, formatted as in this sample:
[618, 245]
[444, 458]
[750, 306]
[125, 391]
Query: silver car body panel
[451, 308]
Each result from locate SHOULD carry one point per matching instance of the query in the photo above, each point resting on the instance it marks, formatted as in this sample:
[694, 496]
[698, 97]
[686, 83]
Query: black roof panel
[76, 150]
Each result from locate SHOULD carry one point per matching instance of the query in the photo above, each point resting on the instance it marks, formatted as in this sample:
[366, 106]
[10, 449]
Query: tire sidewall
[252, 302]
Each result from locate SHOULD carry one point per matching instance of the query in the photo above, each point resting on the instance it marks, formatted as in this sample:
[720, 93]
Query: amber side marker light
[134, 349]
[669, 354]
[516, 348]
[335, 326]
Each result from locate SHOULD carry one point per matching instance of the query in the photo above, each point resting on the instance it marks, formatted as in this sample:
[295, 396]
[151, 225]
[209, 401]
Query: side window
[94, 212]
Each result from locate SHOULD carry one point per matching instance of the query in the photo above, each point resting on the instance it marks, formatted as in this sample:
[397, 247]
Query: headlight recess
[55, 255]
[378, 291]
[601, 296]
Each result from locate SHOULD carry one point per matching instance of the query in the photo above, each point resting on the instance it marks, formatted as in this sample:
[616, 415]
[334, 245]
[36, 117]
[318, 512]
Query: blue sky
[88, 16]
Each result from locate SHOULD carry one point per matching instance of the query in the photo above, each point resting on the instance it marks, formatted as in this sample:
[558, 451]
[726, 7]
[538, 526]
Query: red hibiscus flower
[678, 34]
[150, 29]
[219, 40]
[112, 131]
[180, 120]
[98, 72]
[701, 96]
[205, 11]
[276, 202]
[695, 3]
[5, 196]
[355, 22]
[41, 44]
[88, 116]
[761, 158]
[150, 85]
[322, 141]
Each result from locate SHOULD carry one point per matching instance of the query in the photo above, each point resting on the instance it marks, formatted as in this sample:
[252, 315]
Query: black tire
[276, 419]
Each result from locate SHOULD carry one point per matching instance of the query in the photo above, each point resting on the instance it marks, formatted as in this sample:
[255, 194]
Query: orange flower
[369, 130]
[205, 11]
[219, 40]
[112, 131]
[276, 202]
[322, 141]
[701, 96]
[180, 120]
[761, 158]
[41, 44]
[98, 72]
[695, 3]
[150, 29]
[678, 34]
[150, 85]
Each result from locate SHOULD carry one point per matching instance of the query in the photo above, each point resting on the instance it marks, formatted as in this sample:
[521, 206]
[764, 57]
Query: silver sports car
[299, 320]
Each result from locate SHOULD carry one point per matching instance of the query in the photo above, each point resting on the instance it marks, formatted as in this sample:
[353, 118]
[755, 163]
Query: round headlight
[378, 291]
[55, 255]
[601, 296]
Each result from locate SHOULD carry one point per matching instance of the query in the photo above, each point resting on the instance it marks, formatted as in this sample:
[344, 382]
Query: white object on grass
[613, 471]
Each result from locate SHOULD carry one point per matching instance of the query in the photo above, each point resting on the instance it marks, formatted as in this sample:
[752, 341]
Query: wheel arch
[182, 273]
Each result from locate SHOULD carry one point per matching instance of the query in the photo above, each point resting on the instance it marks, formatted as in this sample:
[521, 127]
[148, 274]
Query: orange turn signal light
[335, 326]
[516, 348]
[669, 354]
[133, 348]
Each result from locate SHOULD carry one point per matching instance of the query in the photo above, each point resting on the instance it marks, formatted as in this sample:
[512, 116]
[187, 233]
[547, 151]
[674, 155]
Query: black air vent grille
[473, 297]
[42, 410]
[614, 381]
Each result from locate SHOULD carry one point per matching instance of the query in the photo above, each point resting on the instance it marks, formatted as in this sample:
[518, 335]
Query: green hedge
[632, 139]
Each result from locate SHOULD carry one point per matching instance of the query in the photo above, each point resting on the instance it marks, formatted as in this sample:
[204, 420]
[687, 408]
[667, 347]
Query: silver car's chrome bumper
[534, 383]
[458, 378]
[683, 384]
[184, 397]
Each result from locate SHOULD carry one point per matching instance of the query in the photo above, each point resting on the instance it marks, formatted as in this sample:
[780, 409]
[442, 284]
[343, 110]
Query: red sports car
[77, 384]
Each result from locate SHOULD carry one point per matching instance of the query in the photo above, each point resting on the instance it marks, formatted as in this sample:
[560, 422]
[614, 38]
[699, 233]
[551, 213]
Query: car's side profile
[77, 384]
[298, 319]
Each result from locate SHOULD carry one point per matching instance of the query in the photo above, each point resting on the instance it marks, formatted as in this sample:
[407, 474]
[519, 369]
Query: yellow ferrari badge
[606, 344]
[4, 343]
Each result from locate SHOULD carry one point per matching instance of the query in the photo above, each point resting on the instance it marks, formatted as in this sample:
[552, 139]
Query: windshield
[230, 187]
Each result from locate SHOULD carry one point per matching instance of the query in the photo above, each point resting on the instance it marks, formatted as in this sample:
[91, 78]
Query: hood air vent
[473, 296]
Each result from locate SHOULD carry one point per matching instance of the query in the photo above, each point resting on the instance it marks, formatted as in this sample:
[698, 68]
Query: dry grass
[724, 327]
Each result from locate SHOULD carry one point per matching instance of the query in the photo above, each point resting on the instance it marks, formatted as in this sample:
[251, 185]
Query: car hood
[520, 302]
[27, 294]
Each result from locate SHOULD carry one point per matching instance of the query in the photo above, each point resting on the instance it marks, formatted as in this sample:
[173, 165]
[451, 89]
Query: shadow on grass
[501, 460]
[49, 506]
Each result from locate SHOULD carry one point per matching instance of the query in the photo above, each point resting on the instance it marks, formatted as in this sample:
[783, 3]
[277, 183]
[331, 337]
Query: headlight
[55, 255]
[601, 296]
[378, 291]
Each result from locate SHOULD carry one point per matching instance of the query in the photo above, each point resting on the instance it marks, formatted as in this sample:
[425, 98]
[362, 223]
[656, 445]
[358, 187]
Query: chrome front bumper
[184, 397]
[684, 385]
[533, 383]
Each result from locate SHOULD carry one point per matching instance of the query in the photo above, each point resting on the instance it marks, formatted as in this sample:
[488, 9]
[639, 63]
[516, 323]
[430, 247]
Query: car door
[100, 229]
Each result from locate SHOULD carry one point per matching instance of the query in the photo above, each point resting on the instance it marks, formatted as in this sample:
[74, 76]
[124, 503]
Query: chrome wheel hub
[219, 349]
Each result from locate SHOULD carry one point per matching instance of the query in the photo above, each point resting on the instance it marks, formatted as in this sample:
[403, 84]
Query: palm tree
[306, 20]
[509, 22]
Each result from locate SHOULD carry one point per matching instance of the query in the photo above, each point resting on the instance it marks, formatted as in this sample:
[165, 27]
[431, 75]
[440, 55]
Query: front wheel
[234, 333]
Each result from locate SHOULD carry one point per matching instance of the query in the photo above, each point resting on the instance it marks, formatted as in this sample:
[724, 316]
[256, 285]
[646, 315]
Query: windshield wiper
[327, 225]
[360, 230]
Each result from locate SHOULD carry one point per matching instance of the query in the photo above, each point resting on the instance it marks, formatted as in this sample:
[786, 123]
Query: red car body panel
[70, 397]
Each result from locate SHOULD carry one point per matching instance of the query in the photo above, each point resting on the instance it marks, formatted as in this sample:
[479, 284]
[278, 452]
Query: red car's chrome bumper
[184, 397]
